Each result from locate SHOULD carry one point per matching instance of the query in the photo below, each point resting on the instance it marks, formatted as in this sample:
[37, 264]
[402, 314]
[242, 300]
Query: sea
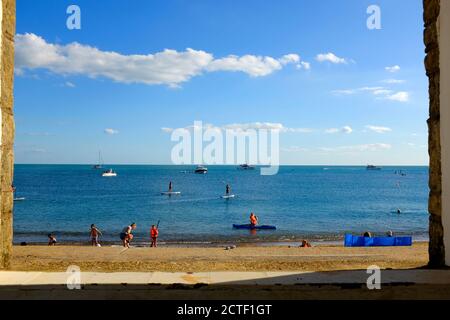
[318, 203]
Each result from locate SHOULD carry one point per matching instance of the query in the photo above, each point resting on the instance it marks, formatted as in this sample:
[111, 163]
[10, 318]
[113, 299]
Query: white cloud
[111, 131]
[393, 69]
[401, 96]
[378, 129]
[294, 149]
[346, 129]
[379, 92]
[304, 65]
[290, 58]
[330, 57]
[393, 81]
[247, 126]
[168, 67]
[359, 148]
[69, 84]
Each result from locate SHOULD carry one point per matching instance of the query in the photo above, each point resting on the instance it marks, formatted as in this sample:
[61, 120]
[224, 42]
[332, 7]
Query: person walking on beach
[253, 219]
[154, 232]
[126, 235]
[170, 186]
[95, 233]
[51, 239]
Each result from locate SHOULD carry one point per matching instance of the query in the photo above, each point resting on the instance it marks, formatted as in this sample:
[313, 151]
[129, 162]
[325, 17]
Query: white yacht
[109, 173]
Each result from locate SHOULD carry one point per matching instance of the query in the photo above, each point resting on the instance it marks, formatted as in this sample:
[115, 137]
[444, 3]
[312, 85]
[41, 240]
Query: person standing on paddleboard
[227, 190]
[170, 186]
[154, 235]
[253, 219]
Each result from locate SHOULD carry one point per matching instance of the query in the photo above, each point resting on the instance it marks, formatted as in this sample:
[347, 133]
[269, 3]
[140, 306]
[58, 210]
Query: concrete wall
[432, 66]
[444, 45]
[7, 21]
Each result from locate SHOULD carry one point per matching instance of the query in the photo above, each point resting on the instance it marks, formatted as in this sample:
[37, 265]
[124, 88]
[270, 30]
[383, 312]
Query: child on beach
[126, 235]
[51, 239]
[95, 233]
[154, 235]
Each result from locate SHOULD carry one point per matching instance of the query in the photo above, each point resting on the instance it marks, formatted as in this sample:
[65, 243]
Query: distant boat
[201, 170]
[109, 173]
[245, 166]
[99, 165]
[371, 167]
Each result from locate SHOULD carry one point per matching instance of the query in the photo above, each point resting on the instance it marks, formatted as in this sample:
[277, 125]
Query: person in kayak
[170, 186]
[126, 235]
[154, 235]
[253, 220]
[227, 190]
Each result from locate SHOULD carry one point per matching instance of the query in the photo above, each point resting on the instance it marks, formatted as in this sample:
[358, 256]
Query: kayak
[173, 193]
[250, 227]
[231, 196]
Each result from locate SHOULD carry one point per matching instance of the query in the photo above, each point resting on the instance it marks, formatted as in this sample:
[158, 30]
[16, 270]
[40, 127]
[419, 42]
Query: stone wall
[8, 13]
[431, 39]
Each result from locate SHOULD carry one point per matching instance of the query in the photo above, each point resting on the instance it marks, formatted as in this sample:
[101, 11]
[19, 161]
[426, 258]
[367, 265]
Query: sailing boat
[100, 162]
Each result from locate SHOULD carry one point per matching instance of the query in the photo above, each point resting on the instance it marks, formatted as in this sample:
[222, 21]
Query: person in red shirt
[154, 235]
[253, 220]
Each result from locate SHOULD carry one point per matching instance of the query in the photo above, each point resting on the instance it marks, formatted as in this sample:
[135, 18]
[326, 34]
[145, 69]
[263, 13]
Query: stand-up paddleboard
[230, 196]
[251, 227]
[171, 193]
[19, 199]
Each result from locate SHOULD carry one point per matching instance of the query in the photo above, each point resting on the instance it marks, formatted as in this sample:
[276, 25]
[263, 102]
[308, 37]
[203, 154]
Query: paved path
[223, 278]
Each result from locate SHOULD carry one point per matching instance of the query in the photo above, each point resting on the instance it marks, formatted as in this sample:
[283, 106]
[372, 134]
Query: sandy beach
[249, 258]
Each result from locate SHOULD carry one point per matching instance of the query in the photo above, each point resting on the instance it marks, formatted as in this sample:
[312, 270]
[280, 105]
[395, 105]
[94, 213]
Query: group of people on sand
[126, 236]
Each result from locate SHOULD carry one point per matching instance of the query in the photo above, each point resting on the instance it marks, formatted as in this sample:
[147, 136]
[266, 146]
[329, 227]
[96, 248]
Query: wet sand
[248, 258]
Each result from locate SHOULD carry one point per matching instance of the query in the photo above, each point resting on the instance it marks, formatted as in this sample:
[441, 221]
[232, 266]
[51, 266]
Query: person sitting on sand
[51, 239]
[170, 186]
[305, 244]
[253, 219]
[126, 235]
[154, 235]
[95, 233]
[227, 190]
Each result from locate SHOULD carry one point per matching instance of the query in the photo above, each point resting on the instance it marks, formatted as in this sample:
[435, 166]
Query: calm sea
[314, 202]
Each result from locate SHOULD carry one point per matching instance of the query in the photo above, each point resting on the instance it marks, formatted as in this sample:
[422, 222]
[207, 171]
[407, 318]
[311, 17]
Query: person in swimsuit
[126, 235]
[95, 233]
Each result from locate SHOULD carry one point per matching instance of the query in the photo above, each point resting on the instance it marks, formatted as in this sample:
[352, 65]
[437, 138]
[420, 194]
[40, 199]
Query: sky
[341, 93]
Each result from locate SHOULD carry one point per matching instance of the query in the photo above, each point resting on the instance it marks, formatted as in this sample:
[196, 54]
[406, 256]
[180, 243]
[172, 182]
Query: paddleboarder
[170, 186]
[227, 190]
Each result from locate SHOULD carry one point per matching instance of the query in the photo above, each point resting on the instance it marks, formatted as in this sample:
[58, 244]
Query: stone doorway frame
[432, 65]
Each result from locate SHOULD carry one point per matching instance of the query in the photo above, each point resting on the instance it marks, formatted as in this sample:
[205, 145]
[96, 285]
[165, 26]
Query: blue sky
[343, 93]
